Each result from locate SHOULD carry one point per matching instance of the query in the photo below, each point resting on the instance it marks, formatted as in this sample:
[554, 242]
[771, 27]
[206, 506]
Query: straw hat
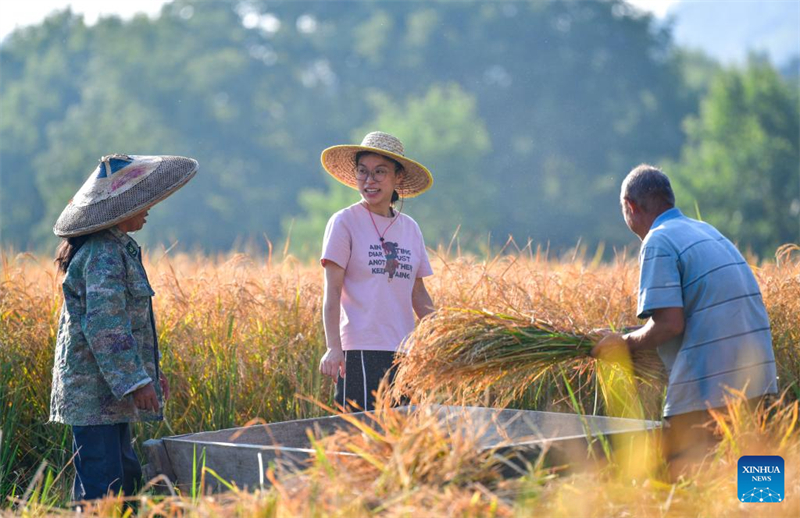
[121, 186]
[340, 162]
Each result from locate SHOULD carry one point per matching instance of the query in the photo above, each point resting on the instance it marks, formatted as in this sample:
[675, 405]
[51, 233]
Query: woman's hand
[332, 364]
[164, 386]
[145, 398]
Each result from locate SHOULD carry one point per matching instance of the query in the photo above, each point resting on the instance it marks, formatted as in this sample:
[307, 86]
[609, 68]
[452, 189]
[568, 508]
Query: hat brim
[339, 162]
[173, 174]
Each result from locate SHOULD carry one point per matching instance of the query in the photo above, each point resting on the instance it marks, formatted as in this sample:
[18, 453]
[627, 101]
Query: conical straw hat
[340, 162]
[121, 186]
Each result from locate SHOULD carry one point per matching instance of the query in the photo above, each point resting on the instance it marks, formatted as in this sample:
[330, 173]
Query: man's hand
[145, 398]
[332, 364]
[600, 332]
[612, 348]
[663, 326]
[164, 386]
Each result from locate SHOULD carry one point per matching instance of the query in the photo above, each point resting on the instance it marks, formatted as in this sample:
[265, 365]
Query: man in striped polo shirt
[704, 312]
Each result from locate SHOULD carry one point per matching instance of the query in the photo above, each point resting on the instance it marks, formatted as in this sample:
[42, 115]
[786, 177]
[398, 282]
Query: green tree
[740, 161]
[572, 94]
[41, 70]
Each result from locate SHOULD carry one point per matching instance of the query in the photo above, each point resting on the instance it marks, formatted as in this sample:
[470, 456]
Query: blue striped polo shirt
[726, 341]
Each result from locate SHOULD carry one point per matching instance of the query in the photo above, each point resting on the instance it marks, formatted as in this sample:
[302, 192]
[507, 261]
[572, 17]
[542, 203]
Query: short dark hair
[648, 187]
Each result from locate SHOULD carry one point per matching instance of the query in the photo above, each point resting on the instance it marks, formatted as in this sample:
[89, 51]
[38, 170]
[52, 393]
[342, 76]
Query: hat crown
[384, 141]
[114, 175]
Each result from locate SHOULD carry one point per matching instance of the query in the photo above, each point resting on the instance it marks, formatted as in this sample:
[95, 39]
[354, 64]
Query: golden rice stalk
[474, 350]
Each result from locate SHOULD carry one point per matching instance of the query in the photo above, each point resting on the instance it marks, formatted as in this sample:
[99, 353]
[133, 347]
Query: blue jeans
[104, 461]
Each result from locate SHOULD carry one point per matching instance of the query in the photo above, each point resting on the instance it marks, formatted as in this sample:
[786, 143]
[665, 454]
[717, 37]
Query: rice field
[241, 338]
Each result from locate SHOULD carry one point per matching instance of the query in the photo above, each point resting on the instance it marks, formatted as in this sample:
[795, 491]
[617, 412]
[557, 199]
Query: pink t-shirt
[378, 278]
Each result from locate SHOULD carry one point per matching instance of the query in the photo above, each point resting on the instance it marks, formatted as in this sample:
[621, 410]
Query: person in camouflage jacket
[106, 370]
[107, 346]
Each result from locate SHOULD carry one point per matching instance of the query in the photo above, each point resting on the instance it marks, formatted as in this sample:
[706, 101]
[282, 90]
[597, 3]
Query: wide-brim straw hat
[120, 187]
[340, 162]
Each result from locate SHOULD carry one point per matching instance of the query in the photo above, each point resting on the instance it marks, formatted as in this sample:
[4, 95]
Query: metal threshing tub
[241, 456]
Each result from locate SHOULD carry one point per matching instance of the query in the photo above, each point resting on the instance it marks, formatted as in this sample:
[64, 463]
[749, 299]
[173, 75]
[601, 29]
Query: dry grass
[241, 336]
[412, 465]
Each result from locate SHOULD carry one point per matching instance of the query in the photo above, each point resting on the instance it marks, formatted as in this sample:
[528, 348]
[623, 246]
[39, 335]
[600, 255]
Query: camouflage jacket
[106, 345]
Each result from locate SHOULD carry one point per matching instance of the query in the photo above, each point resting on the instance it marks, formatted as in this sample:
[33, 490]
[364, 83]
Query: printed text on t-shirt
[390, 259]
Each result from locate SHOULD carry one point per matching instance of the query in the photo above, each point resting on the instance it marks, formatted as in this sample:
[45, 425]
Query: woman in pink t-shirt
[374, 259]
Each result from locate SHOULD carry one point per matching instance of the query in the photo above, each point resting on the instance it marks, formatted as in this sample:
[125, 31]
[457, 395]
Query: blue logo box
[761, 479]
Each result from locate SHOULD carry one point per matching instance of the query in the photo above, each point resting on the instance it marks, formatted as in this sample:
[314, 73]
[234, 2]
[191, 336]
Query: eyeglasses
[377, 176]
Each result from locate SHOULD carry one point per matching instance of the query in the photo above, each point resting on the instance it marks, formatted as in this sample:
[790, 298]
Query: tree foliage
[740, 162]
[528, 113]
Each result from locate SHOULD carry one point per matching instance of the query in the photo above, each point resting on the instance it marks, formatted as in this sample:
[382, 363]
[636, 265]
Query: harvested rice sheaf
[474, 350]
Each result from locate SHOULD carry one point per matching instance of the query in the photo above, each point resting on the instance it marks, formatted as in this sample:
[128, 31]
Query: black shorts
[371, 366]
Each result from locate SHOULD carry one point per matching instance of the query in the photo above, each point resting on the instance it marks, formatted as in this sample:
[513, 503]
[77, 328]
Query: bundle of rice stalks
[470, 351]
